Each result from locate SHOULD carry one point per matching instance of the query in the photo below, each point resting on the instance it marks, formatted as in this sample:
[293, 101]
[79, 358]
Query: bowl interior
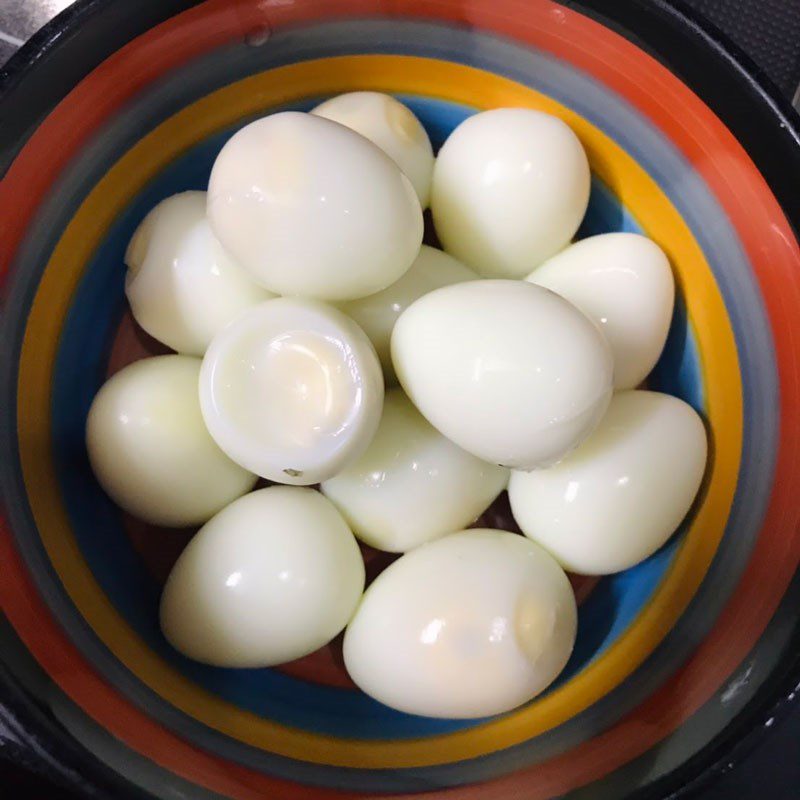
[99, 573]
[128, 562]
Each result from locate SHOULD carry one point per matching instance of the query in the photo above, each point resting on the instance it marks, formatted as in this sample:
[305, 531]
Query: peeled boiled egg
[149, 447]
[392, 126]
[412, 485]
[377, 313]
[182, 285]
[617, 498]
[624, 283]
[510, 188]
[273, 577]
[309, 207]
[509, 371]
[473, 624]
[292, 390]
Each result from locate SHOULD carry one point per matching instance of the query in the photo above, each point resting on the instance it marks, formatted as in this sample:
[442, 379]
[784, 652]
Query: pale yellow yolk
[295, 390]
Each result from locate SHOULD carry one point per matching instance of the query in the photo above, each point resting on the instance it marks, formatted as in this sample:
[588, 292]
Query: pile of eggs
[297, 295]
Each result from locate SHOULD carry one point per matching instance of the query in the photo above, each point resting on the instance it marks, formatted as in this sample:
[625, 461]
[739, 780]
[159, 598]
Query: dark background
[768, 32]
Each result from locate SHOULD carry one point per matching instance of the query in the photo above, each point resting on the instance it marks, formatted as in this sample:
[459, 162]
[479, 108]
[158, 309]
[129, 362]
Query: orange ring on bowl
[641, 85]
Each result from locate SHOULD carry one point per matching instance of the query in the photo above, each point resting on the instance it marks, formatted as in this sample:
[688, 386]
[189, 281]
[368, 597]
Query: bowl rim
[719, 71]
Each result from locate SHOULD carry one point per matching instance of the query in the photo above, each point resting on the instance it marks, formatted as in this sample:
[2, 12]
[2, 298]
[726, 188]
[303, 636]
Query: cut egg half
[292, 390]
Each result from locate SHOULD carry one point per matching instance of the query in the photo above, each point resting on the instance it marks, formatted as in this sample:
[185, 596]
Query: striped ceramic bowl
[117, 106]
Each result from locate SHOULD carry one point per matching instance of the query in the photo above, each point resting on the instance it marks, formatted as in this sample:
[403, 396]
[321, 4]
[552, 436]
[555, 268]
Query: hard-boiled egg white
[510, 188]
[473, 624]
[412, 485]
[292, 390]
[311, 208]
[623, 282]
[273, 577]
[617, 498]
[509, 371]
[181, 284]
[377, 313]
[149, 447]
[392, 126]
